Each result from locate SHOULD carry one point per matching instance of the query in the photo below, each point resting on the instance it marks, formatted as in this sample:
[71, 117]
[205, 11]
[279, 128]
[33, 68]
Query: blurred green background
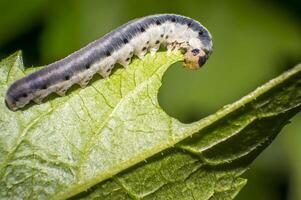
[254, 41]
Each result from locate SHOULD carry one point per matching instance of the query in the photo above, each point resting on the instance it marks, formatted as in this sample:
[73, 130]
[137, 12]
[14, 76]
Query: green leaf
[114, 139]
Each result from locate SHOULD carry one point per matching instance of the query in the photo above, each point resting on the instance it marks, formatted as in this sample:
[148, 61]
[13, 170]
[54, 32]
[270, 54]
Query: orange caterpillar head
[195, 58]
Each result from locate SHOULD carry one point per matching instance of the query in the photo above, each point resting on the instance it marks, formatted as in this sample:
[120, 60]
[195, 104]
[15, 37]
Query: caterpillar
[135, 38]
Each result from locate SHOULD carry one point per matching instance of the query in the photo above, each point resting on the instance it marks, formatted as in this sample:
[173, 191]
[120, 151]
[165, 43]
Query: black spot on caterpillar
[118, 46]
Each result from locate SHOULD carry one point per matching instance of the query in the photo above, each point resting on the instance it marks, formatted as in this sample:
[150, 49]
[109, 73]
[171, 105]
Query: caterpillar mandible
[136, 37]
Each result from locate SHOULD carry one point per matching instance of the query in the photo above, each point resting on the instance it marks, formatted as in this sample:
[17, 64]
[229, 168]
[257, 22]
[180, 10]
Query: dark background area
[254, 41]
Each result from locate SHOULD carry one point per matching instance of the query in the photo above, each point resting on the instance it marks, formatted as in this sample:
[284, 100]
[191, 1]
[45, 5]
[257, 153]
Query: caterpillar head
[195, 58]
[199, 49]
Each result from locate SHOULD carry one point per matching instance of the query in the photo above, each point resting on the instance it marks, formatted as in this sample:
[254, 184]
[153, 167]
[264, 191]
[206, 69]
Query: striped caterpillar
[136, 37]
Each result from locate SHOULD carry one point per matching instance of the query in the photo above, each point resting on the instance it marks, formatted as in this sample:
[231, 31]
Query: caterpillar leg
[85, 81]
[38, 100]
[61, 92]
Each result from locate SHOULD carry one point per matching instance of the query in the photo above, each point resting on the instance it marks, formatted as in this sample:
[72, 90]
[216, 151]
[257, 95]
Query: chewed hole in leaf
[176, 95]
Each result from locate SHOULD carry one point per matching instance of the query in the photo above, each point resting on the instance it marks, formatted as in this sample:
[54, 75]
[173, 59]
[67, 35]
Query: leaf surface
[114, 139]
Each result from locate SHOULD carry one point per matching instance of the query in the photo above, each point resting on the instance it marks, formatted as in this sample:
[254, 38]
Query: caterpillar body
[136, 37]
